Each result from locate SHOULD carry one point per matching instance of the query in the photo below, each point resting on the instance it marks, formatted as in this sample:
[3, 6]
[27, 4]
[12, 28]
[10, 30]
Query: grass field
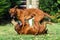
[7, 32]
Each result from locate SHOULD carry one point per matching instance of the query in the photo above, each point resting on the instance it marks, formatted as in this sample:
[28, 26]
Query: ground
[7, 32]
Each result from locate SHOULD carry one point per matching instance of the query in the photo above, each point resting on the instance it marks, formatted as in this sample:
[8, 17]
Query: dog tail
[47, 15]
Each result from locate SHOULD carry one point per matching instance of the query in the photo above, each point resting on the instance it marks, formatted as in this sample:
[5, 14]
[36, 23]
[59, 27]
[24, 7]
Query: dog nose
[11, 16]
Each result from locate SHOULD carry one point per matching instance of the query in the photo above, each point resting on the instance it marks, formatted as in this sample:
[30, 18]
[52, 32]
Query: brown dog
[28, 13]
[31, 30]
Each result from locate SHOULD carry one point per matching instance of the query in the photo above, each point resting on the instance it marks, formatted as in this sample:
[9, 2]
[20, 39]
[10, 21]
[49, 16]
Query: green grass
[7, 32]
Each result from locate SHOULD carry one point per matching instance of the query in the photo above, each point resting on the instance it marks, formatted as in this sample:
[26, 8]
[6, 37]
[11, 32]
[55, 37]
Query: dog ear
[16, 6]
